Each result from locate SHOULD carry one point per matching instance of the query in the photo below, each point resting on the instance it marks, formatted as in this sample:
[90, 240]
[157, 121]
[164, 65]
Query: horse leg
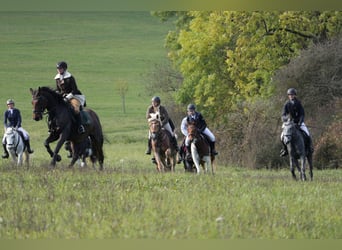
[51, 138]
[302, 168]
[309, 157]
[20, 160]
[195, 157]
[292, 163]
[56, 157]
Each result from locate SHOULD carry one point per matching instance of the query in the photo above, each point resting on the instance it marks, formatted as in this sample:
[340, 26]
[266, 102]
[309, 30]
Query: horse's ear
[31, 90]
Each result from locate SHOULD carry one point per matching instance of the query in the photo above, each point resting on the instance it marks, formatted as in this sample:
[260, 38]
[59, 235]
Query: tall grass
[129, 200]
[131, 203]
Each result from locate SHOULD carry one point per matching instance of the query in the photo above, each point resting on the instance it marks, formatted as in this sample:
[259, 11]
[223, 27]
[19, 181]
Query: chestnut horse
[62, 124]
[164, 151]
[200, 150]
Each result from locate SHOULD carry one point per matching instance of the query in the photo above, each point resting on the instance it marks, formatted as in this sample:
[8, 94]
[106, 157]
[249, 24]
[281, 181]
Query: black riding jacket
[198, 120]
[295, 109]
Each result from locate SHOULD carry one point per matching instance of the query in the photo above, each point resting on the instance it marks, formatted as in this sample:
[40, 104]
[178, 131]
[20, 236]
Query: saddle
[85, 117]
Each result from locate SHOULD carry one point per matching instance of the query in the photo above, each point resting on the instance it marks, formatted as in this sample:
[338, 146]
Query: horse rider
[294, 109]
[67, 87]
[12, 118]
[196, 118]
[167, 123]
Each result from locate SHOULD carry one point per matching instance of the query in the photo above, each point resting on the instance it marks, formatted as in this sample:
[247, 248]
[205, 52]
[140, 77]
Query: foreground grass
[129, 202]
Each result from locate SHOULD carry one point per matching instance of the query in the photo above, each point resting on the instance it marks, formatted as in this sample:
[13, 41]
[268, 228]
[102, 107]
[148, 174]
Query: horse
[16, 147]
[298, 151]
[200, 150]
[188, 163]
[62, 125]
[164, 151]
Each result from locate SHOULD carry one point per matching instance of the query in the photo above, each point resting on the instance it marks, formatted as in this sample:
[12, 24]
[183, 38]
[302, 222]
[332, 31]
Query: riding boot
[213, 150]
[81, 129]
[5, 155]
[283, 151]
[149, 147]
[27, 144]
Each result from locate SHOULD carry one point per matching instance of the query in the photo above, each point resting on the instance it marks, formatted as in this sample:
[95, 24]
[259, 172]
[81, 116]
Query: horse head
[192, 132]
[288, 128]
[39, 104]
[155, 127]
[11, 137]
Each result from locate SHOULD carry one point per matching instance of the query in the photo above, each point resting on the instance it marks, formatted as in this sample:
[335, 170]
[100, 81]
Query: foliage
[230, 56]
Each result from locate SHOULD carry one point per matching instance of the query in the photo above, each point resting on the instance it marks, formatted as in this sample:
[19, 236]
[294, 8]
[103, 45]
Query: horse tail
[96, 136]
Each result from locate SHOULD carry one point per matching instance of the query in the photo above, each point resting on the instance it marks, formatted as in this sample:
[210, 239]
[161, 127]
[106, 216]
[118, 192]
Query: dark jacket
[198, 120]
[12, 119]
[67, 85]
[295, 110]
[164, 115]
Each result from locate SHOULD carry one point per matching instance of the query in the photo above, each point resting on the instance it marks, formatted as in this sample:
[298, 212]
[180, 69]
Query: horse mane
[52, 92]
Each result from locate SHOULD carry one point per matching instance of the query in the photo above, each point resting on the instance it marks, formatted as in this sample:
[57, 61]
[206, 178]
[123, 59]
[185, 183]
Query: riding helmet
[62, 65]
[10, 101]
[291, 91]
[191, 107]
[156, 99]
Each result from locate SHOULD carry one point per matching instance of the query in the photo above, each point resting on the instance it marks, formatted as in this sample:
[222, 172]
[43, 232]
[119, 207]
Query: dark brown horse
[200, 150]
[62, 124]
[163, 149]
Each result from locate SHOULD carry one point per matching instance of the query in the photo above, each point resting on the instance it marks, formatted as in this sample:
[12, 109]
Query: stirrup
[81, 129]
[283, 152]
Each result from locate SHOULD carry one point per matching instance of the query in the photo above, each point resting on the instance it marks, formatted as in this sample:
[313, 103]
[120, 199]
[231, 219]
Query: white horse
[16, 147]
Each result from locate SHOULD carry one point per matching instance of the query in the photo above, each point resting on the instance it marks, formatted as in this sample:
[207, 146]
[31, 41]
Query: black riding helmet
[191, 107]
[291, 91]
[156, 99]
[62, 65]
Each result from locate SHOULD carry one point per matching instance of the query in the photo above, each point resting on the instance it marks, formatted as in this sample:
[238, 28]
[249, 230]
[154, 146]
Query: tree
[227, 57]
[122, 88]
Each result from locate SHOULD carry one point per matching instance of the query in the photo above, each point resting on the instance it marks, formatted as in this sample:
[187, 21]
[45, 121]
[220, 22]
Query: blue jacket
[12, 119]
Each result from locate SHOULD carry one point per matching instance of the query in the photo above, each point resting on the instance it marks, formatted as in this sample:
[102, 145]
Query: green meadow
[129, 200]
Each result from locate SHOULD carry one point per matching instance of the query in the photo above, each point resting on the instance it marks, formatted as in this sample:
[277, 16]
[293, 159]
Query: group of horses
[62, 128]
[165, 152]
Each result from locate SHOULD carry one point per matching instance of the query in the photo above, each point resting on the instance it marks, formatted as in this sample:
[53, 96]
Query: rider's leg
[212, 139]
[27, 144]
[77, 107]
[149, 147]
[5, 155]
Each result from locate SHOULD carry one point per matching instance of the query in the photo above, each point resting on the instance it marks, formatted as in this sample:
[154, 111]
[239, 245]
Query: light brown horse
[200, 150]
[164, 151]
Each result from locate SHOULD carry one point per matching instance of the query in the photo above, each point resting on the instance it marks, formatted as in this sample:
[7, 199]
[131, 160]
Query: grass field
[129, 200]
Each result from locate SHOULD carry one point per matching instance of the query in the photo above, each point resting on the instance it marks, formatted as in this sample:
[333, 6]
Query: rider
[165, 120]
[66, 86]
[12, 118]
[197, 119]
[294, 109]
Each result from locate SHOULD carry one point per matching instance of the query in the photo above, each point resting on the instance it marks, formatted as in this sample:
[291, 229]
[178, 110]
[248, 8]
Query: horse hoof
[58, 158]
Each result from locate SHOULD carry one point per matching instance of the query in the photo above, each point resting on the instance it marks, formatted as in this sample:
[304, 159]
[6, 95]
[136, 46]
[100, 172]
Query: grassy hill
[101, 48]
